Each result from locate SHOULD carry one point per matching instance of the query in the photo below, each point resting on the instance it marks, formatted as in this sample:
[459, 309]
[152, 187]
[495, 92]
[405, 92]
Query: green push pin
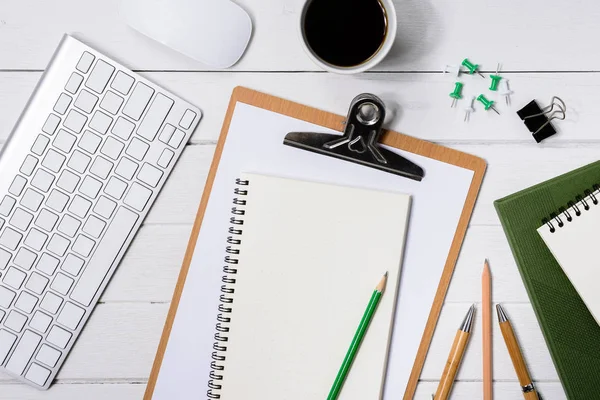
[471, 67]
[495, 80]
[457, 93]
[487, 104]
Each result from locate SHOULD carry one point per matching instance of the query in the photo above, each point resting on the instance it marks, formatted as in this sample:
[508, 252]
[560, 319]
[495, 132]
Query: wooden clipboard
[336, 122]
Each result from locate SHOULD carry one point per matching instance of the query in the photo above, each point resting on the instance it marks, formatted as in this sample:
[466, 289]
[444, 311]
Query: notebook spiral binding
[574, 208]
[227, 290]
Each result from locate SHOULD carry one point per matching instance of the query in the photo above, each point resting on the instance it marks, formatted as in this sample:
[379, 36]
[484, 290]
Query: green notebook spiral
[570, 331]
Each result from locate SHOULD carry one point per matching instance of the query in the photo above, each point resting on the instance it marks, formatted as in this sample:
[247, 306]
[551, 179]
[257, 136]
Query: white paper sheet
[255, 144]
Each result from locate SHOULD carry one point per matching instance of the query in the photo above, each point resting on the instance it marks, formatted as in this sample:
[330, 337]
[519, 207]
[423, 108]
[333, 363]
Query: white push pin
[469, 109]
[505, 91]
[453, 69]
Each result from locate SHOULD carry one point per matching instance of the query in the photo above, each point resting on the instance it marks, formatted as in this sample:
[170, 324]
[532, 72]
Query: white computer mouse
[214, 32]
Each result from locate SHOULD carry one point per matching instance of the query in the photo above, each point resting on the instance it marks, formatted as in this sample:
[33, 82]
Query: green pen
[357, 339]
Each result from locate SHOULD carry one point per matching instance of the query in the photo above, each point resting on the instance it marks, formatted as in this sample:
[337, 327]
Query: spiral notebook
[572, 237]
[302, 261]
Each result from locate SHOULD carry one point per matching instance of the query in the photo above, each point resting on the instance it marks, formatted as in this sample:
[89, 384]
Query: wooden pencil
[486, 316]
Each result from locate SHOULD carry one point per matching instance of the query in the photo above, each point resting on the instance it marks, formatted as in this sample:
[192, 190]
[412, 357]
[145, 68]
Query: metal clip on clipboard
[360, 141]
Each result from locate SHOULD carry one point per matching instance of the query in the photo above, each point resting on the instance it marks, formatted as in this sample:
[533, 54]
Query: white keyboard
[78, 175]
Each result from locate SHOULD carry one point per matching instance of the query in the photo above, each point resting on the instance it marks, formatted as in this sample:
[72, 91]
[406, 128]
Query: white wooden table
[546, 48]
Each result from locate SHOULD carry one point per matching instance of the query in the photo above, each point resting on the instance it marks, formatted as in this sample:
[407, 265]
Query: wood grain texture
[333, 121]
[514, 350]
[486, 331]
[451, 368]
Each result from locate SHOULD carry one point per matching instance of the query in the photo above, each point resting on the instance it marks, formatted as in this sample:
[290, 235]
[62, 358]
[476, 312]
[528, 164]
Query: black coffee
[345, 33]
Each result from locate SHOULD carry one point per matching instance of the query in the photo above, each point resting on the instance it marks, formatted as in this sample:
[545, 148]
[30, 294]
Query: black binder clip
[538, 120]
[359, 144]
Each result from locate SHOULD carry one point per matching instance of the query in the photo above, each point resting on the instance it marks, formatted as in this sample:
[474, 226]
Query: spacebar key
[104, 257]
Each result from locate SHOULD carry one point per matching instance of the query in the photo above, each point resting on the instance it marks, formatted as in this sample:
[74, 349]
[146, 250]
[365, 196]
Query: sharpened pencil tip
[386, 274]
[381, 285]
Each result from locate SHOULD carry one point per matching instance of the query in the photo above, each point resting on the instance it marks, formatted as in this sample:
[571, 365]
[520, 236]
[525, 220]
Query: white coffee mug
[388, 41]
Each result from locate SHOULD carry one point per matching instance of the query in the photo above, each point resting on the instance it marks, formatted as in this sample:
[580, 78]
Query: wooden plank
[430, 34]
[76, 391]
[418, 104]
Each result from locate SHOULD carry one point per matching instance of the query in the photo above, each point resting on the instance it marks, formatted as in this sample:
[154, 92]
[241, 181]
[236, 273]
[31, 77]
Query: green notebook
[571, 333]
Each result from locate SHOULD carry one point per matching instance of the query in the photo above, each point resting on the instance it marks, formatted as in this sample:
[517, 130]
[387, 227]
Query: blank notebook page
[310, 257]
[575, 247]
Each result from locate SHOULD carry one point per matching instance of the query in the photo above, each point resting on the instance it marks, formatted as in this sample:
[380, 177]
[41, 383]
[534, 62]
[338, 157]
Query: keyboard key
[105, 207]
[150, 175]
[115, 188]
[25, 258]
[59, 337]
[111, 102]
[6, 297]
[68, 181]
[6, 205]
[42, 180]
[165, 158]
[15, 321]
[83, 245]
[101, 168]
[17, 185]
[37, 374]
[46, 220]
[37, 283]
[94, 226]
[36, 239]
[51, 124]
[58, 245]
[48, 355]
[26, 302]
[40, 321]
[89, 142]
[85, 62]
[53, 160]
[79, 161]
[69, 225]
[177, 138]
[100, 122]
[137, 149]
[166, 133]
[75, 121]
[122, 83]
[73, 83]
[28, 165]
[70, 316]
[138, 197]
[14, 278]
[72, 264]
[90, 187]
[23, 352]
[61, 283]
[187, 119]
[108, 249]
[86, 101]
[57, 200]
[100, 76]
[155, 117]
[139, 99]
[62, 104]
[51, 303]
[40, 144]
[10, 239]
[112, 148]
[5, 257]
[126, 168]
[47, 263]
[80, 206]
[32, 199]
[123, 128]
[7, 340]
